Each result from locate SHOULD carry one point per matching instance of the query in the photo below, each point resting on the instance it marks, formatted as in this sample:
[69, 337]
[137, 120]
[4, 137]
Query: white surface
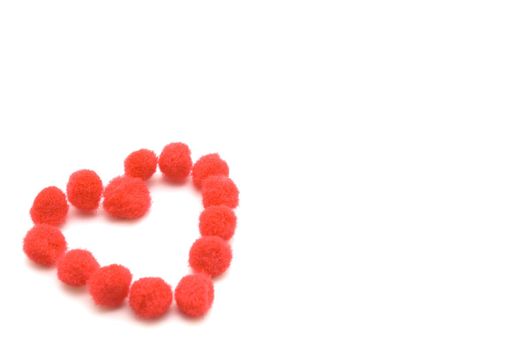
[377, 145]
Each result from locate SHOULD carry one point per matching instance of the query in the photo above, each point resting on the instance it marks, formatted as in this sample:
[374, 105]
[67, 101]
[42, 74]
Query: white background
[377, 146]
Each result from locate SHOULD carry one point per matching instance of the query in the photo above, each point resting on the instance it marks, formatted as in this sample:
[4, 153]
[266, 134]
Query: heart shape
[127, 197]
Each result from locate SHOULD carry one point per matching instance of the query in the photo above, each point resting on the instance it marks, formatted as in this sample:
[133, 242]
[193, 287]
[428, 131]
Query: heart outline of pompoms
[127, 197]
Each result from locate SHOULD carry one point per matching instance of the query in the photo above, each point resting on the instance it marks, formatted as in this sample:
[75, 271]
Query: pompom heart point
[194, 295]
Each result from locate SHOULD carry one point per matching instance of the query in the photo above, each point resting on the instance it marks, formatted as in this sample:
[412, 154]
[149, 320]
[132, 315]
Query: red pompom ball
[76, 266]
[44, 244]
[194, 295]
[49, 207]
[175, 161]
[208, 165]
[150, 297]
[218, 220]
[109, 285]
[219, 190]
[141, 163]
[127, 198]
[211, 255]
[84, 189]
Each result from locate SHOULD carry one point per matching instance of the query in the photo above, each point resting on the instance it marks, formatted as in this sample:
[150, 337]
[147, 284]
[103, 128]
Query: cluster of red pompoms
[127, 197]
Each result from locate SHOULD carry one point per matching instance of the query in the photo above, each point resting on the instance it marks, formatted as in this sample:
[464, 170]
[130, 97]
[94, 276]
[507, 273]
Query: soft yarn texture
[49, 207]
[175, 161]
[208, 165]
[218, 220]
[84, 189]
[76, 266]
[127, 198]
[141, 163]
[109, 285]
[44, 244]
[219, 190]
[211, 255]
[150, 297]
[194, 295]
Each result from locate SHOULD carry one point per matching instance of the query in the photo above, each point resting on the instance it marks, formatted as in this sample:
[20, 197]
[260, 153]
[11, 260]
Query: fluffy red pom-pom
[194, 294]
[208, 165]
[211, 255]
[219, 190]
[218, 220]
[84, 189]
[44, 244]
[76, 266]
[141, 163]
[175, 161]
[127, 198]
[150, 297]
[109, 285]
[49, 207]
